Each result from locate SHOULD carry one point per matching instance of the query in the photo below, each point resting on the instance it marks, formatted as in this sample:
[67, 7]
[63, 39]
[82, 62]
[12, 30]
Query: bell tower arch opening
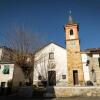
[71, 32]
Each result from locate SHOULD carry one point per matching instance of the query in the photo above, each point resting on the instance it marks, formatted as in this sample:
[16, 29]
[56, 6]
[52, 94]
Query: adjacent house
[10, 76]
[9, 71]
[6, 73]
[93, 62]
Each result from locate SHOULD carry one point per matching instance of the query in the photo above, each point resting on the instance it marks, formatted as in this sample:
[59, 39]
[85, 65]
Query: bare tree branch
[23, 44]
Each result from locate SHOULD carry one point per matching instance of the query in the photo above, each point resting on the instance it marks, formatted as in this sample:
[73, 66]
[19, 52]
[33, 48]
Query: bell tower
[74, 63]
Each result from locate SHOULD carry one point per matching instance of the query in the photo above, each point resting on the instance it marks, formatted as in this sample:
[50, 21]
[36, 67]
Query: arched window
[71, 32]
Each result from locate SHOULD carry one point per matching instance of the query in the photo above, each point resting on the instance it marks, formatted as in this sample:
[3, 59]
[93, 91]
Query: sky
[48, 17]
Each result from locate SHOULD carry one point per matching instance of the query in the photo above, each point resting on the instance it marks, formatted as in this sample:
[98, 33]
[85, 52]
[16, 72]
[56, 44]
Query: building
[93, 61]
[6, 73]
[9, 72]
[74, 61]
[9, 76]
[50, 66]
[76, 66]
[83, 66]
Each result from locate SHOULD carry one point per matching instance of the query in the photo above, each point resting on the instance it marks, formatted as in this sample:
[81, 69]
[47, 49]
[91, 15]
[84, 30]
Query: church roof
[47, 45]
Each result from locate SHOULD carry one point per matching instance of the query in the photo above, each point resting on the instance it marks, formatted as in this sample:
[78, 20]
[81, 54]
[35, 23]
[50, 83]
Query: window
[6, 69]
[63, 76]
[87, 63]
[71, 32]
[51, 55]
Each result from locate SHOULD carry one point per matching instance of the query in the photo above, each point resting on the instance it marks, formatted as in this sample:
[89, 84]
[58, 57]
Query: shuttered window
[6, 69]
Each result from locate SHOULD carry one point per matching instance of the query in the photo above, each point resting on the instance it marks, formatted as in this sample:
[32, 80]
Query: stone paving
[40, 98]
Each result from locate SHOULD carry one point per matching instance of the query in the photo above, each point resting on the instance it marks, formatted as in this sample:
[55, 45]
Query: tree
[23, 44]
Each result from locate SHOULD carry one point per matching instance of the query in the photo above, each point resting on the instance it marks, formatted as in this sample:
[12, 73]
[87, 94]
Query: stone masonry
[74, 62]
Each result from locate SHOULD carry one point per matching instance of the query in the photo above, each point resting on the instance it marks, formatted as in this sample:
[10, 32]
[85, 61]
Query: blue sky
[48, 17]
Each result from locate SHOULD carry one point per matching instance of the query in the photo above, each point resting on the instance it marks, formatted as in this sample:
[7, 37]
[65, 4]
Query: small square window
[63, 76]
[51, 55]
[6, 69]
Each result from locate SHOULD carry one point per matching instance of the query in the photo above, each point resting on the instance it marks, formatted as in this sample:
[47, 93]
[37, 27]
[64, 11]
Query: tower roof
[70, 20]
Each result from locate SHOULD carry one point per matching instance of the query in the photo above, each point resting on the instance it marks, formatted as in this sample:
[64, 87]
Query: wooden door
[75, 77]
[52, 78]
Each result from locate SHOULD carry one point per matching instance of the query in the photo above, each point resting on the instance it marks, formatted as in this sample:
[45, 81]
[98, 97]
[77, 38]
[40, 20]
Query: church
[58, 66]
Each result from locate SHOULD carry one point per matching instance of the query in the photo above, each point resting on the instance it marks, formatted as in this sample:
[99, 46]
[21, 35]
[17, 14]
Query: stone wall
[72, 91]
[74, 62]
